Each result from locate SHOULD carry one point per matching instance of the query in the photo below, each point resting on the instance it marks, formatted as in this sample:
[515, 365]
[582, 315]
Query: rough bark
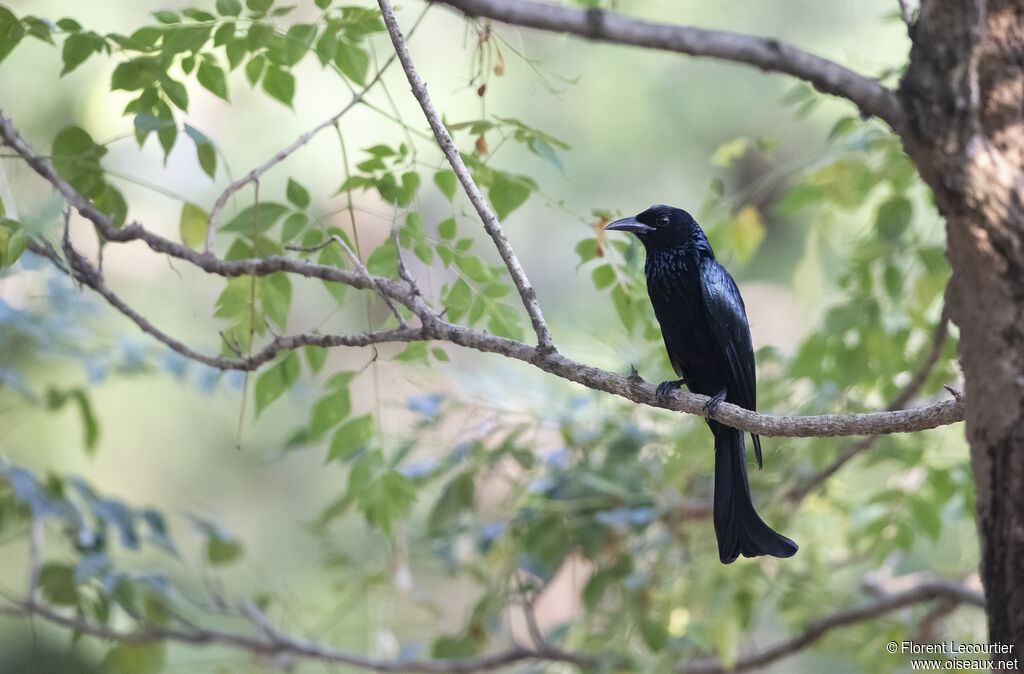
[964, 98]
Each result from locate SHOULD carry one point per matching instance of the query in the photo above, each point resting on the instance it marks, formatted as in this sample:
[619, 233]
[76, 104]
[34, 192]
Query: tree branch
[866, 93]
[81, 271]
[275, 643]
[483, 209]
[434, 327]
[925, 591]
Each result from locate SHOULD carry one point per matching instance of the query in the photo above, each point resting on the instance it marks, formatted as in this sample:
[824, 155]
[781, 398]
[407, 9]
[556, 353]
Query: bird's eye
[663, 221]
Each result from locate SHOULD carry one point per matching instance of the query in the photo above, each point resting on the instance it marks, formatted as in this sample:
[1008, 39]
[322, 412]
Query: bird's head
[662, 228]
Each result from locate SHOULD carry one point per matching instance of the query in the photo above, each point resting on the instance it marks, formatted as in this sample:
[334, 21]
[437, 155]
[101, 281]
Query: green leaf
[258, 217]
[297, 194]
[289, 49]
[414, 352]
[893, 217]
[192, 225]
[111, 202]
[175, 91]
[57, 583]
[457, 300]
[353, 61]
[892, 278]
[198, 15]
[279, 84]
[322, 4]
[34, 26]
[229, 7]
[235, 50]
[166, 16]
[254, 69]
[316, 356]
[447, 183]
[504, 322]
[11, 32]
[458, 496]
[259, 35]
[77, 158]
[212, 77]
[329, 411]
[136, 74]
[294, 224]
[446, 229]
[205, 151]
[182, 39]
[473, 267]
[508, 193]
[275, 381]
[352, 436]
[259, 5]
[220, 551]
[389, 499]
[13, 242]
[127, 658]
[405, 193]
[603, 276]
[623, 307]
[327, 46]
[77, 48]
[440, 354]
[453, 647]
[383, 261]
[276, 297]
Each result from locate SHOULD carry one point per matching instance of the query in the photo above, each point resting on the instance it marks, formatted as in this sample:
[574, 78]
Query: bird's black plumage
[704, 324]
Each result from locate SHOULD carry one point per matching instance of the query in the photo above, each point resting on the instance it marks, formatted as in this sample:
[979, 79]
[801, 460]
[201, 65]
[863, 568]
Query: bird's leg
[711, 406]
[666, 387]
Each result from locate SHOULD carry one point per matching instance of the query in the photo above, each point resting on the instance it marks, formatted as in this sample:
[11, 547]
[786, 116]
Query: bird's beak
[629, 225]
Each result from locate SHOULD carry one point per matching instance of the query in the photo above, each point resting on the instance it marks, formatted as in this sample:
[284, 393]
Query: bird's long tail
[740, 530]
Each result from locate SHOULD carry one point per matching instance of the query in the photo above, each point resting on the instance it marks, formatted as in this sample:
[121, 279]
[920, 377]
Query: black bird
[704, 325]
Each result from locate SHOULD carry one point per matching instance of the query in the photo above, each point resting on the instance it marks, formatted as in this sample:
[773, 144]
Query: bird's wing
[727, 321]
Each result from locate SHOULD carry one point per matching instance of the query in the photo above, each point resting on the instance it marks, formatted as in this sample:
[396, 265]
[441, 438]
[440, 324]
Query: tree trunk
[964, 97]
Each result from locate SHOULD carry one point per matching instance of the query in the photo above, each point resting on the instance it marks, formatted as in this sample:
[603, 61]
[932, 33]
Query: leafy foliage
[502, 503]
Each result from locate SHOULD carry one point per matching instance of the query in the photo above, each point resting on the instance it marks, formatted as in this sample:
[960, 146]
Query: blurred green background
[838, 331]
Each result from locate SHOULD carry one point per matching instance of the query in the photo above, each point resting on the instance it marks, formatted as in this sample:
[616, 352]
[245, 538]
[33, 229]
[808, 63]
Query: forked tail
[740, 530]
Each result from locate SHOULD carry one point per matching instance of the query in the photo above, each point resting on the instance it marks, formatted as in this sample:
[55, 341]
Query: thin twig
[360, 267]
[483, 209]
[866, 93]
[276, 643]
[281, 155]
[403, 271]
[939, 334]
[925, 591]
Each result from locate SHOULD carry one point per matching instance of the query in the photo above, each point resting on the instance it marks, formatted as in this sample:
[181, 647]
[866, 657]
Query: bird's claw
[713, 403]
[665, 388]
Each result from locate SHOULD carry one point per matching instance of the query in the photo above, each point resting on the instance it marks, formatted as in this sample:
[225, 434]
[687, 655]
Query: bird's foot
[711, 406]
[665, 388]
